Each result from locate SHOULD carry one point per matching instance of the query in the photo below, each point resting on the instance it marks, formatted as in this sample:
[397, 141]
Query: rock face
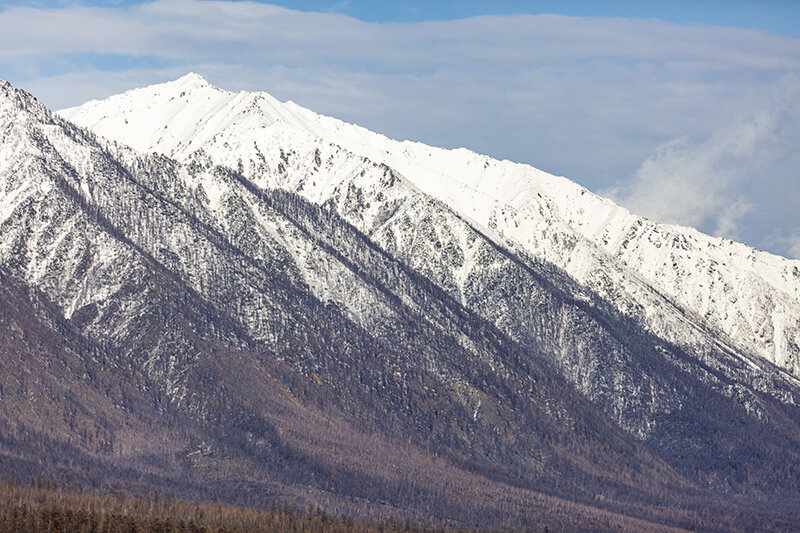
[277, 305]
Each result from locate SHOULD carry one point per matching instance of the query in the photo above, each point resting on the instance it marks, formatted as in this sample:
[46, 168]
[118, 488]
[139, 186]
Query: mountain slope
[192, 287]
[374, 351]
[749, 296]
[619, 306]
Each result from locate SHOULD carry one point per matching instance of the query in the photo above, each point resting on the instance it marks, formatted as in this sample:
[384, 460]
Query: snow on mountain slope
[130, 249]
[235, 303]
[750, 296]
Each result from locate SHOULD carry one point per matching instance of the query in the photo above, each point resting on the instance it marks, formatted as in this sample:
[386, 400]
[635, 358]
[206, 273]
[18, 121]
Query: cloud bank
[681, 123]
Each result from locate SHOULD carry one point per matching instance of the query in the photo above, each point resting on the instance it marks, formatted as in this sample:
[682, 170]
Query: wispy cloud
[591, 98]
[794, 248]
[786, 241]
[698, 184]
[742, 177]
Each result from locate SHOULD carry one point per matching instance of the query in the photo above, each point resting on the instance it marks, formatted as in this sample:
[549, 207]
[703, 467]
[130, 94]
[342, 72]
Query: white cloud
[742, 182]
[794, 248]
[727, 219]
[696, 184]
[786, 242]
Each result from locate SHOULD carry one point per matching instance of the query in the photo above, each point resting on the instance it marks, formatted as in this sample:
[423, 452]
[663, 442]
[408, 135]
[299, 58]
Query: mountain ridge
[266, 333]
[582, 244]
[229, 359]
[352, 193]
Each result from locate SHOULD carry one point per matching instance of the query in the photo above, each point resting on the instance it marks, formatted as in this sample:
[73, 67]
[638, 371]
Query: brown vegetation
[45, 508]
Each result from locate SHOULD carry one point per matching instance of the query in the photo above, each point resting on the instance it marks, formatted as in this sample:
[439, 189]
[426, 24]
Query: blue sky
[685, 112]
[776, 16]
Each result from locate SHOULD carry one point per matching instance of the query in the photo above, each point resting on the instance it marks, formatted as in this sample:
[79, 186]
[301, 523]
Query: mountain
[747, 296]
[247, 300]
[498, 237]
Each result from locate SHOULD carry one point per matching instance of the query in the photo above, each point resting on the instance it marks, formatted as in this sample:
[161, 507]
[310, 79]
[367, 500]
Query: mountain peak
[17, 102]
[192, 79]
[8, 91]
[180, 116]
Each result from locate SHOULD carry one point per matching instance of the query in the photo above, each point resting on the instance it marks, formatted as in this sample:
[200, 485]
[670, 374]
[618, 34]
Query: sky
[684, 112]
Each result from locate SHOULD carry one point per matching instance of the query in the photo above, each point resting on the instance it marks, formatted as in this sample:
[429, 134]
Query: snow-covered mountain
[460, 218]
[150, 340]
[297, 308]
[658, 274]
